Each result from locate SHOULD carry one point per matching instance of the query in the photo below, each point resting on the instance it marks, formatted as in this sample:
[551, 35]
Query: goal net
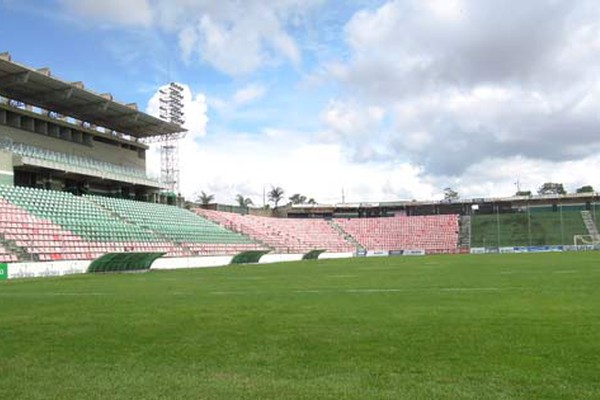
[584, 239]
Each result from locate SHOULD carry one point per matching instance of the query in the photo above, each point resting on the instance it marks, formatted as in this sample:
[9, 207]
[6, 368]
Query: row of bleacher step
[51, 225]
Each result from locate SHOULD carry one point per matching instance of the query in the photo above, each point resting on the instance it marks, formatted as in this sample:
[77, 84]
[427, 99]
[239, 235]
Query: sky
[357, 100]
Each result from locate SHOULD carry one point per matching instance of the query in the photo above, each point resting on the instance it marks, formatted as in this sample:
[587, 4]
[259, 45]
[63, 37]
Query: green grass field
[436, 327]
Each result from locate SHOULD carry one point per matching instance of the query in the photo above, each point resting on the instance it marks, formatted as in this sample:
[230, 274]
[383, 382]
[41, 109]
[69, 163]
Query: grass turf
[439, 327]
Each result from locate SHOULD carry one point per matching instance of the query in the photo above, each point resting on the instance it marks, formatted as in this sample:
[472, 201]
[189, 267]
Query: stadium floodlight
[171, 110]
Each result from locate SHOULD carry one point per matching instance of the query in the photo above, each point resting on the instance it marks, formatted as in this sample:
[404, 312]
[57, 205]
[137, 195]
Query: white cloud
[234, 37]
[249, 93]
[470, 91]
[188, 39]
[246, 164]
[464, 93]
[129, 13]
[244, 96]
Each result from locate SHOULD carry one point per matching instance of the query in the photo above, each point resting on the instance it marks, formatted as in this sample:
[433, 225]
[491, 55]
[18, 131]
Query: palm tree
[298, 199]
[205, 199]
[243, 201]
[275, 195]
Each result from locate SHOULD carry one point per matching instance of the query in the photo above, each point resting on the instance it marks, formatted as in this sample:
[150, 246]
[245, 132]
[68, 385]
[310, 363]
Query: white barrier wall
[44, 269]
[274, 258]
[325, 256]
[191, 262]
[414, 252]
[378, 253]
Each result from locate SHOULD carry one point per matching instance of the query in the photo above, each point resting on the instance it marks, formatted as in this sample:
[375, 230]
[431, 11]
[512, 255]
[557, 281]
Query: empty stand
[431, 233]
[38, 237]
[179, 225]
[51, 225]
[34, 152]
[282, 234]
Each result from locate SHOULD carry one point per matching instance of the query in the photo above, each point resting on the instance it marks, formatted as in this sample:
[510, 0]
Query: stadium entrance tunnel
[313, 254]
[123, 262]
[249, 257]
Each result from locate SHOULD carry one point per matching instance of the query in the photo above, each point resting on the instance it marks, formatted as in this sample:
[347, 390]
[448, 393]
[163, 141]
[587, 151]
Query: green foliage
[249, 257]
[204, 198]
[275, 195]
[551, 188]
[313, 254]
[585, 189]
[523, 193]
[450, 194]
[452, 327]
[243, 201]
[301, 199]
[122, 262]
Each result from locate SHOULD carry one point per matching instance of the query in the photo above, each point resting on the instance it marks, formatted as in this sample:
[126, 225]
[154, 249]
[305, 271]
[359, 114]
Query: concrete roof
[40, 89]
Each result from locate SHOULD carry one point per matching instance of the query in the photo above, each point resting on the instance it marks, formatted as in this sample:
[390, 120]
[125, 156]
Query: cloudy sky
[385, 100]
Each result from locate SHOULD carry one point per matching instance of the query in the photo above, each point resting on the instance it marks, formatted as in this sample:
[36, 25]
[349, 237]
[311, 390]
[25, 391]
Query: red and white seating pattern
[431, 232]
[49, 242]
[284, 235]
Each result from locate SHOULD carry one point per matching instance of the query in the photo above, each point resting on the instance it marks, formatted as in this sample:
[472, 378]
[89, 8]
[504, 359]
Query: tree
[551, 188]
[523, 193]
[585, 189]
[450, 194]
[298, 199]
[276, 195]
[243, 201]
[205, 199]
[311, 201]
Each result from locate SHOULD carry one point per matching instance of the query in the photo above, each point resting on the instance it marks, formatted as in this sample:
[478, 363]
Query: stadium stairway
[9, 252]
[189, 231]
[464, 232]
[433, 233]
[348, 237]
[590, 225]
[284, 235]
[186, 251]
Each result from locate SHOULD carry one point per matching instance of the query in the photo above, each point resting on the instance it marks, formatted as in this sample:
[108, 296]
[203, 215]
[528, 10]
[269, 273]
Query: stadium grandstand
[61, 136]
[73, 186]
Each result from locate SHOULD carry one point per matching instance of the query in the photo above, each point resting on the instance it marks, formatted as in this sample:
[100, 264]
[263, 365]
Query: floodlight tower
[171, 110]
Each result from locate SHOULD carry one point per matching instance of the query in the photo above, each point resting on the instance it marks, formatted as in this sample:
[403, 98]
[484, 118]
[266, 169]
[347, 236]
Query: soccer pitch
[436, 327]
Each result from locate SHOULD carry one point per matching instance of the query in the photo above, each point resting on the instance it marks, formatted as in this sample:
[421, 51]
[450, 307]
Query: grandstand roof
[40, 89]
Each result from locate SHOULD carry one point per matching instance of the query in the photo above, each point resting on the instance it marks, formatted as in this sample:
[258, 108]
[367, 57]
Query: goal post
[584, 239]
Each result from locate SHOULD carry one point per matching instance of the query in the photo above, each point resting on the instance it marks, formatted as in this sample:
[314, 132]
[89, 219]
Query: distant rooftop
[38, 88]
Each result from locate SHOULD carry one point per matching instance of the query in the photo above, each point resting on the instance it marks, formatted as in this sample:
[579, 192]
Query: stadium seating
[178, 225]
[436, 233]
[51, 225]
[74, 160]
[37, 236]
[284, 235]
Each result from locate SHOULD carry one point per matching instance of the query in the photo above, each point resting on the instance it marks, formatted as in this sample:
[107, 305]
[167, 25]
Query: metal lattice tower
[171, 109]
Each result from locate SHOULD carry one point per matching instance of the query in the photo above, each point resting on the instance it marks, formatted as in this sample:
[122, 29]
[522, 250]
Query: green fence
[122, 262]
[527, 228]
[3, 271]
